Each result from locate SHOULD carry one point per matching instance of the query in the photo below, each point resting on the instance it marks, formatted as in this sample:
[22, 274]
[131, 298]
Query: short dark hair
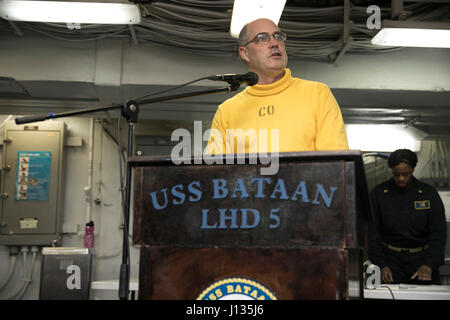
[402, 156]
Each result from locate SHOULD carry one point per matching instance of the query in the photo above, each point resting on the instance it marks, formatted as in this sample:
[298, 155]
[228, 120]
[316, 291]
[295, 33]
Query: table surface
[399, 291]
[409, 292]
[113, 285]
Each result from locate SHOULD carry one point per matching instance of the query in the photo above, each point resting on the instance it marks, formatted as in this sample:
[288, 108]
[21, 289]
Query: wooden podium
[228, 232]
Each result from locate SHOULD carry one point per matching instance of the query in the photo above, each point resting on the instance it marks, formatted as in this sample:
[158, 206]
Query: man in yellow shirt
[300, 115]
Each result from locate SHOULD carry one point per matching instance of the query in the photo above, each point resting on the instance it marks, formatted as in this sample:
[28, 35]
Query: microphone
[250, 78]
[383, 155]
[34, 118]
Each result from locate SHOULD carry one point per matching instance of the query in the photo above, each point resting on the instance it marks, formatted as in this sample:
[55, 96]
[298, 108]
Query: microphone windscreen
[32, 118]
[253, 78]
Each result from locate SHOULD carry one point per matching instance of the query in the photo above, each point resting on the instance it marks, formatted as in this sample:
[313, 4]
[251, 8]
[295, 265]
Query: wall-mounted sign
[33, 175]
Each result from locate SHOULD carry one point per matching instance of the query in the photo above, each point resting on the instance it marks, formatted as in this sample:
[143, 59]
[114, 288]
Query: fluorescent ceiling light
[245, 11]
[383, 137]
[70, 12]
[413, 34]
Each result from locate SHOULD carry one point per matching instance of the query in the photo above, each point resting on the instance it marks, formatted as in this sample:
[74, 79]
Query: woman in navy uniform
[408, 231]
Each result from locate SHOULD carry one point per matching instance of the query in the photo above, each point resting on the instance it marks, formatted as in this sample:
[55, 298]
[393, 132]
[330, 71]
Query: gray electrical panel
[32, 183]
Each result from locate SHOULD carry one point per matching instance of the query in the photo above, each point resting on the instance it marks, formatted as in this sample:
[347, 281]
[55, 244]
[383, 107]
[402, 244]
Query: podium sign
[296, 234]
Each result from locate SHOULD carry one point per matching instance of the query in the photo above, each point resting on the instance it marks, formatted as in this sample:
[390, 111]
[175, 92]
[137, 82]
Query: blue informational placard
[33, 175]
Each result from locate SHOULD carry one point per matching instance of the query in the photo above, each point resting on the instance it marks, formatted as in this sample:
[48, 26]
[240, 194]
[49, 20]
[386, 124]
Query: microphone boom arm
[234, 85]
[130, 110]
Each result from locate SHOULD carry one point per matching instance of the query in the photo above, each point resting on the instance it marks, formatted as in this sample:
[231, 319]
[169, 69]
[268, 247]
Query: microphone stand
[130, 111]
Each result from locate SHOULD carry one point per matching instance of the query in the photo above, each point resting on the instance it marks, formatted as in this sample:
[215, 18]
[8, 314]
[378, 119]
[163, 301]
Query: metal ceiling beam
[428, 1]
[133, 34]
[397, 9]
[346, 32]
[16, 28]
[419, 121]
[407, 112]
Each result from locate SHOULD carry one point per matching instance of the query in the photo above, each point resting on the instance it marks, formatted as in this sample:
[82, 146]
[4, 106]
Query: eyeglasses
[265, 37]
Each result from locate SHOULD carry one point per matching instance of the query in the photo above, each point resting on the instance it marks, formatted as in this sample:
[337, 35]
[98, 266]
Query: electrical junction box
[32, 183]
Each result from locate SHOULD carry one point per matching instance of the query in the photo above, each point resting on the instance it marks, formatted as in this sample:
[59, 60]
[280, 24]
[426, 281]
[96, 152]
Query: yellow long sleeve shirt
[300, 115]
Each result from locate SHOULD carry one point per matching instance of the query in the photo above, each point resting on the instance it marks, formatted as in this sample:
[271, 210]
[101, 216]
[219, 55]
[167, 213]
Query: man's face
[266, 58]
[402, 174]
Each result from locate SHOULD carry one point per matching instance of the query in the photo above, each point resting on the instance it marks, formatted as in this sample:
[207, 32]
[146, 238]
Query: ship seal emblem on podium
[237, 289]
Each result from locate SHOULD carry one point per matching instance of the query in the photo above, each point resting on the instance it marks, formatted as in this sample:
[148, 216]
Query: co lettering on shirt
[266, 111]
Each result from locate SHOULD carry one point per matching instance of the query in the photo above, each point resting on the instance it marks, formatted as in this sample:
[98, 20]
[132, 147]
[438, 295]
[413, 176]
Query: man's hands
[386, 275]
[423, 273]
